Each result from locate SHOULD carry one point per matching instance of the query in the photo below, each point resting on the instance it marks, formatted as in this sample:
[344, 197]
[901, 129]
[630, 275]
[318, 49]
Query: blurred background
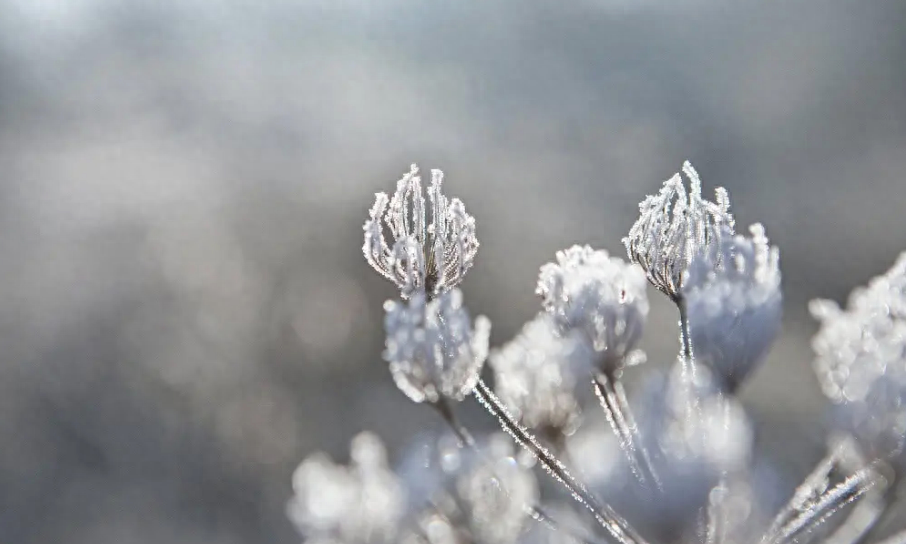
[184, 309]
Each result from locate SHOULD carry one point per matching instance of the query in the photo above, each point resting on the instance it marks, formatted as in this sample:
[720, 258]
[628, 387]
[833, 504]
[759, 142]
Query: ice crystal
[532, 376]
[599, 296]
[673, 227]
[357, 504]
[429, 257]
[733, 303]
[432, 348]
[861, 360]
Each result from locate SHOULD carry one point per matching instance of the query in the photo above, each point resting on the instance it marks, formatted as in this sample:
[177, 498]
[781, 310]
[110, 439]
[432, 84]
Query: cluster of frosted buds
[482, 497]
[432, 348]
[358, 504]
[600, 297]
[861, 360]
[534, 380]
[733, 303]
[673, 227]
[425, 257]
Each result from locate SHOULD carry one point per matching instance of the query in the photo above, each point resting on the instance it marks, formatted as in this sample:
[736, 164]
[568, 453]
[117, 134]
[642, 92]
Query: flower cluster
[685, 470]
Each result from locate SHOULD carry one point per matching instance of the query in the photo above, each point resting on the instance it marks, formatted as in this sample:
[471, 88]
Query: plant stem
[604, 514]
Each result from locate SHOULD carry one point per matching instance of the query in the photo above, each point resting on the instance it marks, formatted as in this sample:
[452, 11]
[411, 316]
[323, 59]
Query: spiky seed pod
[673, 227]
[430, 257]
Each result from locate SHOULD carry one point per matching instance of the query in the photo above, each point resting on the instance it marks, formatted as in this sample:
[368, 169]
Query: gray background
[184, 310]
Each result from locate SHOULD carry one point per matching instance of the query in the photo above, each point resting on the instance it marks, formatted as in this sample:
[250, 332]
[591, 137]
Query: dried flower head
[534, 378]
[673, 227]
[861, 360]
[358, 504]
[733, 302]
[430, 257]
[432, 348]
[480, 495]
[601, 297]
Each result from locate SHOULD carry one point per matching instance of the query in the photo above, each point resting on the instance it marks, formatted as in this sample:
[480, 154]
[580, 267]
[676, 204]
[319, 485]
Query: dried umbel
[430, 257]
[734, 304]
[534, 378]
[432, 348]
[861, 360]
[673, 227]
[472, 496]
[602, 298]
[358, 504]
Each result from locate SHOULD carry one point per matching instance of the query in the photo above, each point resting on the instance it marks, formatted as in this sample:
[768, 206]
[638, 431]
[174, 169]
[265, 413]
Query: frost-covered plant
[691, 446]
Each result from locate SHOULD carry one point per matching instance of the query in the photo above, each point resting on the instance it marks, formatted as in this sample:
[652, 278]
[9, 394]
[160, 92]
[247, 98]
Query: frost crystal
[861, 360]
[431, 347]
[601, 297]
[431, 257]
[673, 227]
[533, 377]
[359, 504]
[733, 300]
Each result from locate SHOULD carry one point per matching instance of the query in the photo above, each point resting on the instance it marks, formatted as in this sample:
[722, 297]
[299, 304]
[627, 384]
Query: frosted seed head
[734, 304]
[860, 361]
[356, 504]
[534, 377]
[430, 257]
[600, 298]
[673, 227]
[432, 348]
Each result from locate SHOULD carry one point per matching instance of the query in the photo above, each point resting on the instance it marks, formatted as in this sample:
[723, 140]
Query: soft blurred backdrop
[185, 310]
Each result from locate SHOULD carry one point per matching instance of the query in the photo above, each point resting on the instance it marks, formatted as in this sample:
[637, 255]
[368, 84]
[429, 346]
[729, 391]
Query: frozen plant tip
[602, 298]
[432, 348]
[673, 227]
[430, 257]
[733, 303]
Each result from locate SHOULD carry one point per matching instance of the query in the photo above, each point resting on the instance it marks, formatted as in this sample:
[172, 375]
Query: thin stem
[619, 414]
[604, 514]
[844, 493]
[685, 337]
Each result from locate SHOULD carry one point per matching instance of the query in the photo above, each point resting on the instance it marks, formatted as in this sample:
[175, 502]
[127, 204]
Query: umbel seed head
[673, 227]
[430, 257]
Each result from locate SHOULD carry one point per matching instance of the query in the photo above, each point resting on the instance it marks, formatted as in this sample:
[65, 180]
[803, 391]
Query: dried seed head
[357, 504]
[432, 348]
[673, 227]
[733, 302]
[534, 378]
[861, 360]
[430, 257]
[600, 297]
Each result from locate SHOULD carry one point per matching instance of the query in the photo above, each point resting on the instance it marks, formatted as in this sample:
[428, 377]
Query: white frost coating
[601, 297]
[532, 376]
[432, 348]
[358, 504]
[673, 227]
[734, 304]
[861, 360]
[425, 256]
